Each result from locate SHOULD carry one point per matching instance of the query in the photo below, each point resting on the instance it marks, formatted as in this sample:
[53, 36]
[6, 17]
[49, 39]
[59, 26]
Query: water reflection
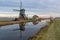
[35, 22]
[20, 31]
[21, 28]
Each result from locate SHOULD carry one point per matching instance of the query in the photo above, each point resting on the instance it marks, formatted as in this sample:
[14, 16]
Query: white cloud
[9, 14]
[33, 7]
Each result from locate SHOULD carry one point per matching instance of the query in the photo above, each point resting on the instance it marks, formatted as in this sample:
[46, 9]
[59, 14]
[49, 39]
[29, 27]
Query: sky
[32, 7]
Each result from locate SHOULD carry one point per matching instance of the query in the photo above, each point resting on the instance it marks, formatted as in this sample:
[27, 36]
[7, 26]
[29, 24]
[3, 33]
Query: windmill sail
[21, 11]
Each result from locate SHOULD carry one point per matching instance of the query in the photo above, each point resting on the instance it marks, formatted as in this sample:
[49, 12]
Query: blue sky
[40, 7]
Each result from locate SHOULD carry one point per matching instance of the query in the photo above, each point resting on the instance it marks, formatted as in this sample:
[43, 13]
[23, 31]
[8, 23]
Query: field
[51, 32]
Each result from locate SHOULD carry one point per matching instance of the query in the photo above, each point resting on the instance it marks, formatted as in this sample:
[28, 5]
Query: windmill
[21, 12]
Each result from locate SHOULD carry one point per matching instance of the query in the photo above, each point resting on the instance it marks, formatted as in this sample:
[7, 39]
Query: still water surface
[14, 32]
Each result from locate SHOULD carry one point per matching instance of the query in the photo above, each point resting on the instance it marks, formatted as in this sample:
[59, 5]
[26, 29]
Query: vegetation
[51, 32]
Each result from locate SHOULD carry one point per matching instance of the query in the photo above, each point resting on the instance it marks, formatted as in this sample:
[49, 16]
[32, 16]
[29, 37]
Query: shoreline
[3, 23]
[12, 22]
[45, 29]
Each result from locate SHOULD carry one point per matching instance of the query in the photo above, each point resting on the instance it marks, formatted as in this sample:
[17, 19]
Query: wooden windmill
[21, 12]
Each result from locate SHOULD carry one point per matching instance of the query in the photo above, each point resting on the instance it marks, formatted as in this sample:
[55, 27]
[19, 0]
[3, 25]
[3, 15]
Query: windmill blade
[20, 4]
[16, 10]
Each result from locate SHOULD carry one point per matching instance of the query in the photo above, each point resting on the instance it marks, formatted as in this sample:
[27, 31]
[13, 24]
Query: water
[20, 32]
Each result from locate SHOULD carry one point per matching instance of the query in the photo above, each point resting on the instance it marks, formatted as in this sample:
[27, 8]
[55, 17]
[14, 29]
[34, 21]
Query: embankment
[40, 34]
[12, 22]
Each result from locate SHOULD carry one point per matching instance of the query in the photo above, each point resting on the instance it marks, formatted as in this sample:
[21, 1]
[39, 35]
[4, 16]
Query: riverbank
[3, 23]
[50, 32]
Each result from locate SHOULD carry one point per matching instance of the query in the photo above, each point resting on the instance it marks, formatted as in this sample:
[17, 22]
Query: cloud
[9, 3]
[9, 14]
[41, 7]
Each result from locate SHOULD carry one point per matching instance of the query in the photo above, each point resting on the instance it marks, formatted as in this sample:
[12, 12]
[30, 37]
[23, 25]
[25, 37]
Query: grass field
[52, 32]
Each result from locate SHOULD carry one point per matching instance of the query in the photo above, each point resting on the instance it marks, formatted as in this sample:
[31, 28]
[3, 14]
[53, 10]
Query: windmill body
[21, 12]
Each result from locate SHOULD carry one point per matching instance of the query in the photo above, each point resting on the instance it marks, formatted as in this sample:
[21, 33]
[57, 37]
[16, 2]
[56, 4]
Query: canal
[20, 32]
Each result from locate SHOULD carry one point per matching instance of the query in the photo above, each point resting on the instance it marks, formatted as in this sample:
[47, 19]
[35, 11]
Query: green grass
[57, 31]
[52, 32]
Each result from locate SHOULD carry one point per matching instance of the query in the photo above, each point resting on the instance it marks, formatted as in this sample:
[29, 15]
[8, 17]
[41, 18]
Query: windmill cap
[22, 10]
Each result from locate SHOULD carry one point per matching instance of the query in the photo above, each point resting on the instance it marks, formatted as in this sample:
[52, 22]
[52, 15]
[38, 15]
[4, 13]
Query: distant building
[36, 18]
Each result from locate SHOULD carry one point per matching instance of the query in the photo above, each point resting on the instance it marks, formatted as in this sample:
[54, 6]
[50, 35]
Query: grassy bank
[51, 32]
[3, 23]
